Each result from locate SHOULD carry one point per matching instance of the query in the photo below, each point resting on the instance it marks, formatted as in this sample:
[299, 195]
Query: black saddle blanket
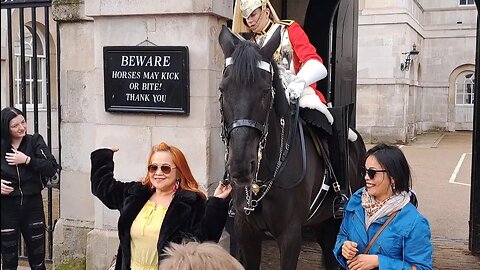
[316, 119]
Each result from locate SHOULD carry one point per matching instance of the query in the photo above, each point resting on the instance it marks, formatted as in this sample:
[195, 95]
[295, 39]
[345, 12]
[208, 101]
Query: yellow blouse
[145, 231]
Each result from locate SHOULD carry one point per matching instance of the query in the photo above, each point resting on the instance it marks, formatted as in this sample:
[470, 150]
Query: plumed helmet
[243, 9]
[248, 6]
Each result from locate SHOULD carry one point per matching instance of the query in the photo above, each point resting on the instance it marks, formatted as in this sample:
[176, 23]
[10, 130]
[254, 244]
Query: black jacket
[27, 180]
[188, 216]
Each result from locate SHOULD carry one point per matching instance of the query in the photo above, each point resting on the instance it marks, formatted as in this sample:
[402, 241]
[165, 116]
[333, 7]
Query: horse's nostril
[253, 165]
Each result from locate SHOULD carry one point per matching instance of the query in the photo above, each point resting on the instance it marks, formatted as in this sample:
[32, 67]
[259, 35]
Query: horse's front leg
[326, 233]
[289, 243]
[249, 242]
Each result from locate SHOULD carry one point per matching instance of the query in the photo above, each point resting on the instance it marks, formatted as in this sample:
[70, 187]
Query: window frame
[466, 3]
[465, 93]
[41, 70]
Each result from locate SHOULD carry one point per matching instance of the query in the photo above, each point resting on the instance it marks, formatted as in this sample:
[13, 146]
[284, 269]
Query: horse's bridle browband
[261, 64]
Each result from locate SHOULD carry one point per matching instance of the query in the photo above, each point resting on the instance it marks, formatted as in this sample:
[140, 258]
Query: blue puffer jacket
[403, 243]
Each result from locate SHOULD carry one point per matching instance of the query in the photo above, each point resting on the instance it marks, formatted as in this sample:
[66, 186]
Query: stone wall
[86, 27]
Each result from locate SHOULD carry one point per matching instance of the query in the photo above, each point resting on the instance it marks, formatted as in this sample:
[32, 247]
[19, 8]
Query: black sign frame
[148, 79]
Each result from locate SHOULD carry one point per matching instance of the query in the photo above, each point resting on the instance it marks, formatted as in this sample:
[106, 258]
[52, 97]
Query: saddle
[316, 121]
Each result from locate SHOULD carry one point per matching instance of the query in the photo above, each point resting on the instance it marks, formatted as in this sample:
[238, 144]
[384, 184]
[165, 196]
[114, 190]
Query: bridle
[251, 203]
[262, 128]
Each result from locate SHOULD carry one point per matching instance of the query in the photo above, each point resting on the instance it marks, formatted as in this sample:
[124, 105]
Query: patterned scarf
[376, 209]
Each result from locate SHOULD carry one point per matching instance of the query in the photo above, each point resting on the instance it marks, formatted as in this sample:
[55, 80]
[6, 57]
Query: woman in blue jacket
[405, 242]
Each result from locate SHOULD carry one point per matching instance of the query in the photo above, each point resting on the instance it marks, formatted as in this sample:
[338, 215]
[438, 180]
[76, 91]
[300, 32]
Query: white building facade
[436, 91]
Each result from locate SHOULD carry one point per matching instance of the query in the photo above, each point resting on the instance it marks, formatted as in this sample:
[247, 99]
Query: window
[464, 89]
[29, 70]
[467, 2]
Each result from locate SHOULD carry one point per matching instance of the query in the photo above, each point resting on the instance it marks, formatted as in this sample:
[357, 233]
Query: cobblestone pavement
[444, 200]
[449, 254]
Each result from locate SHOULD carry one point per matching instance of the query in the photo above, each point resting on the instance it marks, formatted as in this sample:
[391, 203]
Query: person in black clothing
[165, 207]
[24, 159]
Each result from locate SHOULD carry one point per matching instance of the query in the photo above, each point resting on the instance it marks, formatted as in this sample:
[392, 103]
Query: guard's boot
[339, 203]
[338, 146]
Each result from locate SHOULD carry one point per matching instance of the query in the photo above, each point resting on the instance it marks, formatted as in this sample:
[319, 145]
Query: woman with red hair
[166, 206]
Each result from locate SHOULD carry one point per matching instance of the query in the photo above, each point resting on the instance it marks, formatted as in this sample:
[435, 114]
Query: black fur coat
[189, 216]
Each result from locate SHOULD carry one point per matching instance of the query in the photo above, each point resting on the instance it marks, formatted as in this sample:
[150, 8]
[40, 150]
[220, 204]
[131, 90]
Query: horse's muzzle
[242, 174]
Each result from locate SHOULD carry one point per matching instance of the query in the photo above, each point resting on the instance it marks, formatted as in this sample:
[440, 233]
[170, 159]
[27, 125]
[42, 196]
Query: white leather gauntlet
[295, 88]
[312, 71]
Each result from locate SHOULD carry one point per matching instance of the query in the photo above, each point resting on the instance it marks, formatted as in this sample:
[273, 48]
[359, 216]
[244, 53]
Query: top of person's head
[198, 256]
[248, 6]
[243, 9]
[392, 159]
[7, 115]
[184, 174]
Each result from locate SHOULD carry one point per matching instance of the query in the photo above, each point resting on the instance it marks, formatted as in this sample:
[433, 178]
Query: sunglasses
[166, 169]
[370, 172]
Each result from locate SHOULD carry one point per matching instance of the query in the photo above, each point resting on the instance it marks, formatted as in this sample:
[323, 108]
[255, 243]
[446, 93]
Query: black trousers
[25, 216]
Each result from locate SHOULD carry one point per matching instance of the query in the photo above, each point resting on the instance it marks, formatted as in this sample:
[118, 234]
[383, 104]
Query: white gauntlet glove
[311, 71]
[295, 88]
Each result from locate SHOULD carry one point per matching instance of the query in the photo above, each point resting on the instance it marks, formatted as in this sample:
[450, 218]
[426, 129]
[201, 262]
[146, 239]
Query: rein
[284, 150]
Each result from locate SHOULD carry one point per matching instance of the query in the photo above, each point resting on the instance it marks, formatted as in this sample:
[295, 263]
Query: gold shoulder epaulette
[287, 22]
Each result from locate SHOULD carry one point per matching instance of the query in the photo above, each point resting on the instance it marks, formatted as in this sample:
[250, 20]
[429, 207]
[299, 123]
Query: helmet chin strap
[255, 30]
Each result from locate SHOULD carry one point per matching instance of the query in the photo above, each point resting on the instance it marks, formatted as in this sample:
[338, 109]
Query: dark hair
[394, 162]
[7, 115]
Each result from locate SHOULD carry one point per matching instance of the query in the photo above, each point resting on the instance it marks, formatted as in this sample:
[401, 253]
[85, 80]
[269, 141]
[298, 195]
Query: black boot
[338, 146]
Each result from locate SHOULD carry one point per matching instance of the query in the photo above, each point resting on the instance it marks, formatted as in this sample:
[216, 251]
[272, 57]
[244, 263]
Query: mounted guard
[300, 67]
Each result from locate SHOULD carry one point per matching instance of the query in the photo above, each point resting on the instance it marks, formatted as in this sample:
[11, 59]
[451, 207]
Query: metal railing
[29, 83]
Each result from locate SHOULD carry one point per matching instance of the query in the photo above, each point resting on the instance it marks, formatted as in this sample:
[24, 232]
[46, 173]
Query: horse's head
[246, 100]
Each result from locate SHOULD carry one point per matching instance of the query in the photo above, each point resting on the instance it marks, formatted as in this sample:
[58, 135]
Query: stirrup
[339, 203]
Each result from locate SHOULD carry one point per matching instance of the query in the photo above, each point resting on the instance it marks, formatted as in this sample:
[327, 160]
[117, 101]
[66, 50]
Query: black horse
[268, 154]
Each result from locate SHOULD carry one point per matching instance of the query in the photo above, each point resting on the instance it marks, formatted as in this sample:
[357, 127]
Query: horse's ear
[227, 41]
[268, 49]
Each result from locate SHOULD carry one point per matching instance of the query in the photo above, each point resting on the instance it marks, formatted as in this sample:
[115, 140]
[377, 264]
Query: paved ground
[441, 167]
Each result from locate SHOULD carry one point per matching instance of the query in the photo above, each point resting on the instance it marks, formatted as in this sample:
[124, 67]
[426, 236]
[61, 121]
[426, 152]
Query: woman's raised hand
[113, 148]
[222, 191]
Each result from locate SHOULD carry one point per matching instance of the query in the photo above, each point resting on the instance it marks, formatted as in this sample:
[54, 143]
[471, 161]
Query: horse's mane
[245, 70]
[245, 59]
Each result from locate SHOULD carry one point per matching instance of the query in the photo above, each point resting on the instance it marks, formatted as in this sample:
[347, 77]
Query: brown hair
[187, 181]
[198, 256]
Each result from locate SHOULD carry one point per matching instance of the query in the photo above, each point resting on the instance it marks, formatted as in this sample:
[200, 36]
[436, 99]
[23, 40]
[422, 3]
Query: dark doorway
[332, 27]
